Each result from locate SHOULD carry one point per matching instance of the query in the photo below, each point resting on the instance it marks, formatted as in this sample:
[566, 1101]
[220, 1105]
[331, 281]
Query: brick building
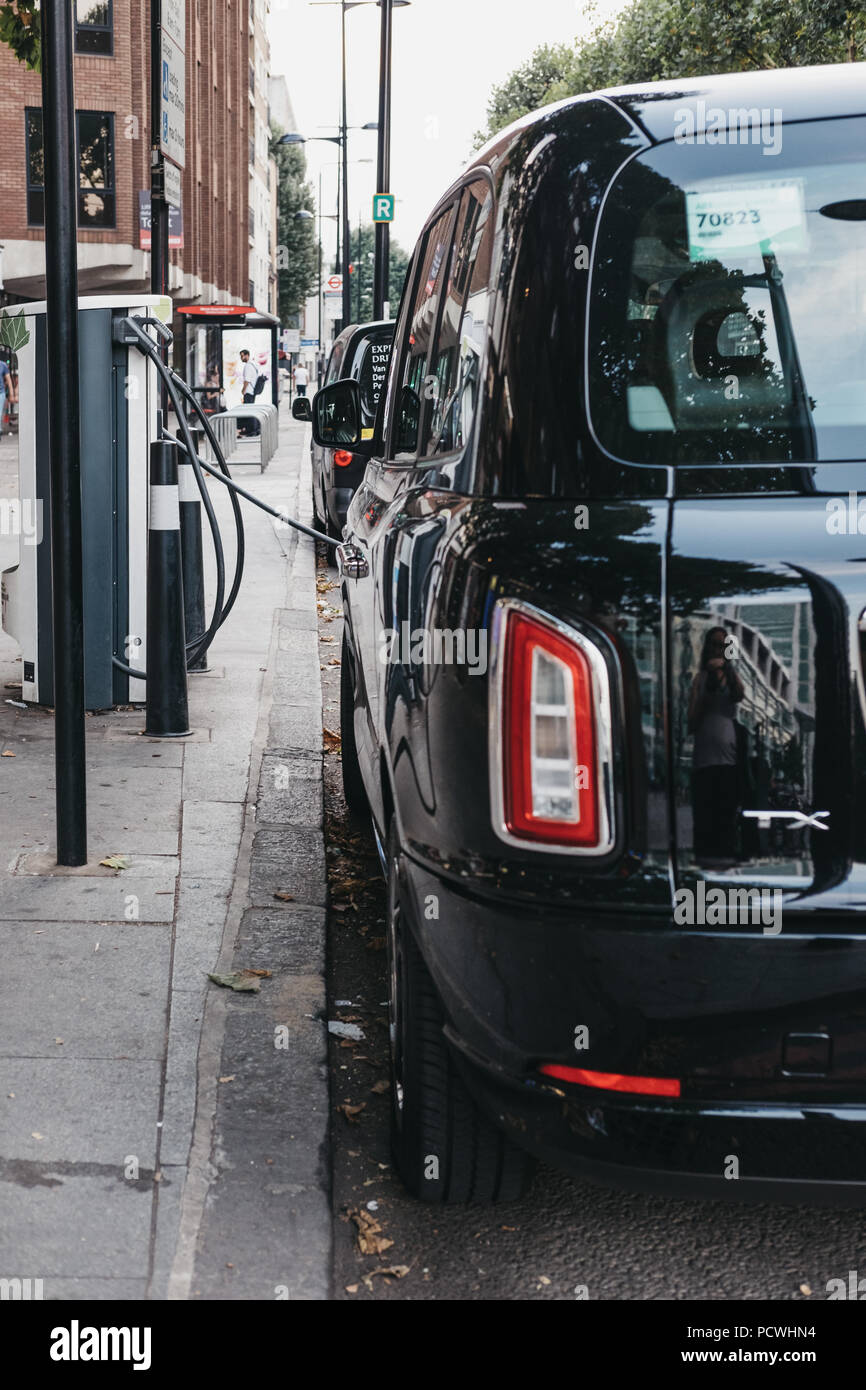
[112, 97]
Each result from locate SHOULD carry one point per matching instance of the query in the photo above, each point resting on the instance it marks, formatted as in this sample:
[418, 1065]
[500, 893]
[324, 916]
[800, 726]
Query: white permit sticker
[746, 217]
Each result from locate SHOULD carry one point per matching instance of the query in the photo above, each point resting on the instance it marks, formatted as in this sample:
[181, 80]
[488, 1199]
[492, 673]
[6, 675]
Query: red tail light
[342, 458]
[550, 734]
[609, 1081]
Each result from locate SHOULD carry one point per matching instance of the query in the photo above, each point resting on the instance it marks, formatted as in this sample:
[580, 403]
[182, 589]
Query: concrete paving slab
[288, 860]
[79, 990]
[105, 1220]
[291, 790]
[84, 1111]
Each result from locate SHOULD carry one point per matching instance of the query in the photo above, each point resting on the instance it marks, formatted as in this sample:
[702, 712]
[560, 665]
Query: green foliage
[656, 39]
[297, 250]
[21, 30]
[398, 264]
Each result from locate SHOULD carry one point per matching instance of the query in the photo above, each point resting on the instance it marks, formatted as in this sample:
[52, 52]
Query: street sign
[172, 105]
[172, 185]
[334, 284]
[175, 223]
[173, 19]
[292, 340]
[383, 207]
[309, 342]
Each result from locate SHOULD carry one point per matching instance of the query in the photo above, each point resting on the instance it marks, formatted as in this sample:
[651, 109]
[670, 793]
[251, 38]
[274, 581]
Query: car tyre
[445, 1149]
[353, 782]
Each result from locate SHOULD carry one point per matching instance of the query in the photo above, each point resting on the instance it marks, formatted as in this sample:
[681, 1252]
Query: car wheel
[445, 1149]
[353, 782]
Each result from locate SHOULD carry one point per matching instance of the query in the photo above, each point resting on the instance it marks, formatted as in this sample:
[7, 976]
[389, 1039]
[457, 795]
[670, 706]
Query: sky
[448, 54]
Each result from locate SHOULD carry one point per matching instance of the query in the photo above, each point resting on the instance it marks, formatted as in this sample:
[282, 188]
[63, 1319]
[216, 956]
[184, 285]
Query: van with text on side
[361, 352]
[604, 582]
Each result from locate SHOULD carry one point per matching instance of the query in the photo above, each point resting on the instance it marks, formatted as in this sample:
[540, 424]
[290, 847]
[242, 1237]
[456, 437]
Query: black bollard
[167, 713]
[191, 545]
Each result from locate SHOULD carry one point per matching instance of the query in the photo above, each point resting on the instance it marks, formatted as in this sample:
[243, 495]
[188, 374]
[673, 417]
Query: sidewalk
[119, 1132]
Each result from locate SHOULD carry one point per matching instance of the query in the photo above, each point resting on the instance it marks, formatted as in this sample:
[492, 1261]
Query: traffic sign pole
[383, 171]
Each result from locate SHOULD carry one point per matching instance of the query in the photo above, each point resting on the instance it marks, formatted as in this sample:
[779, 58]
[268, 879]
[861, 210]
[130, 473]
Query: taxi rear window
[728, 302]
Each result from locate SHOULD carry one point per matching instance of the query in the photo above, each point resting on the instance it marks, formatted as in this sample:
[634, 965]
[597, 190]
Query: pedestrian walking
[302, 376]
[7, 391]
[249, 377]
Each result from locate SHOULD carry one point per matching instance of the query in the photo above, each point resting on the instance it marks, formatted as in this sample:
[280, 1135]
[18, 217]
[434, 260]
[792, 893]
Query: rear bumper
[755, 1153]
[715, 1009]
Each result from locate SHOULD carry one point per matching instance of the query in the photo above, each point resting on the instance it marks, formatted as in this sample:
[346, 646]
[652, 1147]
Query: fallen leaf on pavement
[223, 1079]
[380, 1087]
[352, 1112]
[333, 742]
[243, 981]
[805, 1289]
[284, 897]
[388, 1271]
[376, 943]
[116, 861]
[371, 1241]
[7, 754]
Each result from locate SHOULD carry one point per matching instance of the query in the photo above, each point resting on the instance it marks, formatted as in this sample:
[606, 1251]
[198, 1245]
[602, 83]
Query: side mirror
[337, 415]
[301, 408]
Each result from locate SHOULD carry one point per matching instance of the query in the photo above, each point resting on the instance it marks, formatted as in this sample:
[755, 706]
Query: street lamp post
[382, 239]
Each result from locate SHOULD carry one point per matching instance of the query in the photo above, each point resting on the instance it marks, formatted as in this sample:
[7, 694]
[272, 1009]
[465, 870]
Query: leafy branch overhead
[21, 30]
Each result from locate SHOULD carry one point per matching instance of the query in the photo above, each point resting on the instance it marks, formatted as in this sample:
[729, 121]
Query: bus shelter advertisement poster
[257, 341]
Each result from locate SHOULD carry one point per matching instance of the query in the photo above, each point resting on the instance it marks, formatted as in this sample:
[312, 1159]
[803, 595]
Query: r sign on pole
[383, 207]
[172, 120]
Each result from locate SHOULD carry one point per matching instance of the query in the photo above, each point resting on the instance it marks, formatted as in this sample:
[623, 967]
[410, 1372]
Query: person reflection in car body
[716, 691]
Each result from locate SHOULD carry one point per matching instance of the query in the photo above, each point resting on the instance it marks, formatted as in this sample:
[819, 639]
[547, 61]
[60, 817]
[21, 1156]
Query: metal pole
[358, 267]
[61, 277]
[158, 205]
[319, 302]
[347, 288]
[383, 172]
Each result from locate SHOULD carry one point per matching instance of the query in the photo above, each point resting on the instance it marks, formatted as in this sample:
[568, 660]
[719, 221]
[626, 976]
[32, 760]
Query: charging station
[119, 403]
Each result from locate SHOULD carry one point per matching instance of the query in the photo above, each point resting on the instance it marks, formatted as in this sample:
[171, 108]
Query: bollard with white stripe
[167, 710]
[191, 545]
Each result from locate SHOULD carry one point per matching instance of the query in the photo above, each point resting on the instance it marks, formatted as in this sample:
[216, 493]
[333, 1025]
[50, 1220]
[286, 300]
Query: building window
[94, 28]
[252, 80]
[35, 168]
[252, 151]
[96, 193]
[95, 168]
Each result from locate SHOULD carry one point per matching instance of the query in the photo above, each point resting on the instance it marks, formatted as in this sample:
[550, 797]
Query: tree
[21, 30]
[657, 39]
[297, 250]
[362, 269]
